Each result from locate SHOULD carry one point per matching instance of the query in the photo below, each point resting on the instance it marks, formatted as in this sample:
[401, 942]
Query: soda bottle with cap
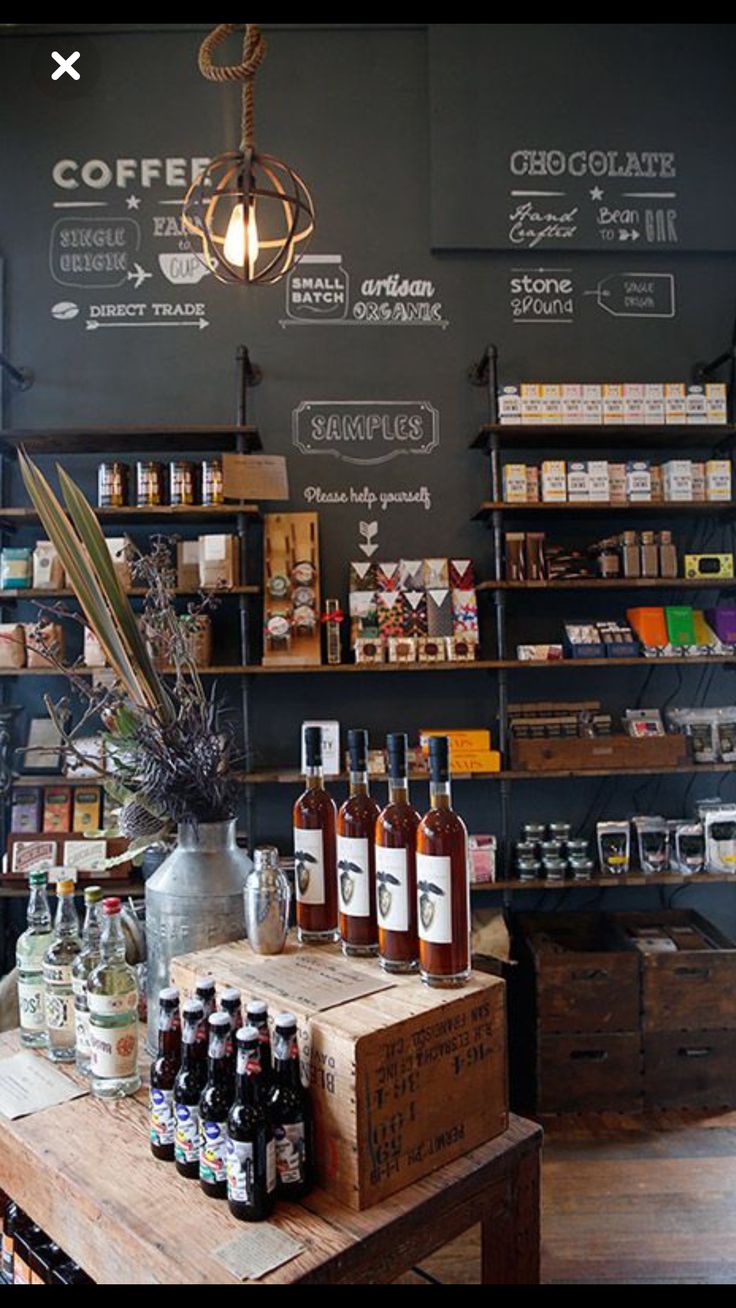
[251, 1154]
[291, 1116]
[29, 956]
[112, 996]
[86, 960]
[188, 1087]
[204, 990]
[214, 1106]
[164, 1071]
[257, 1015]
[57, 977]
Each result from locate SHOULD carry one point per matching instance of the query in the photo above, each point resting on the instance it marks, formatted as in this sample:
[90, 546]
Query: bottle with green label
[112, 997]
[57, 977]
[82, 966]
[29, 956]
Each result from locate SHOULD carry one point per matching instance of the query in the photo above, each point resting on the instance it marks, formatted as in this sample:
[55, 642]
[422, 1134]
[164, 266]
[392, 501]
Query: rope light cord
[254, 52]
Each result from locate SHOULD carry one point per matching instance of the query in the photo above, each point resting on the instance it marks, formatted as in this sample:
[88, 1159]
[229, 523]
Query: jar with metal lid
[559, 831]
[303, 573]
[526, 849]
[528, 869]
[555, 869]
[212, 484]
[535, 831]
[582, 869]
[305, 620]
[182, 483]
[577, 849]
[112, 485]
[150, 492]
[551, 849]
[267, 897]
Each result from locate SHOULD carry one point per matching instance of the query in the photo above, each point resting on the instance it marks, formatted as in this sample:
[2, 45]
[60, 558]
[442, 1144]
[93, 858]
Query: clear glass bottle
[29, 955]
[57, 977]
[83, 964]
[112, 996]
[315, 852]
[443, 884]
[356, 857]
[396, 873]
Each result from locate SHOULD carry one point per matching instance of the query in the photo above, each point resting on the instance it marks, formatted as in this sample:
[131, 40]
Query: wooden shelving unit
[293, 777]
[633, 879]
[721, 508]
[19, 890]
[11, 596]
[637, 436]
[161, 438]
[134, 516]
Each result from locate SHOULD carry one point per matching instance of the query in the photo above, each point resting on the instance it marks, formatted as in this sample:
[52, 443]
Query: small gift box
[436, 574]
[461, 649]
[462, 574]
[439, 613]
[414, 604]
[402, 649]
[411, 574]
[370, 651]
[431, 649]
[390, 610]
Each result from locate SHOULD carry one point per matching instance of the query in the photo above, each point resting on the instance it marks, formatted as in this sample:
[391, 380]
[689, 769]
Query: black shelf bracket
[702, 371]
[22, 377]
[249, 375]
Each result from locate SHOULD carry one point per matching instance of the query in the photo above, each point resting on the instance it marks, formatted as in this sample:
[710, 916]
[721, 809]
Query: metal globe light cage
[251, 214]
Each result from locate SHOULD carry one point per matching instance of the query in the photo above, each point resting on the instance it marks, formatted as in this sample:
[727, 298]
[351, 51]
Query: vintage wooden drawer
[598, 752]
[691, 988]
[403, 1080]
[589, 1073]
[585, 979]
[689, 1069]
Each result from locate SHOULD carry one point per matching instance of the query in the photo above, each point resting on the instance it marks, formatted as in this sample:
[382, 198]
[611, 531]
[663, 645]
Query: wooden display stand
[292, 628]
[403, 1079]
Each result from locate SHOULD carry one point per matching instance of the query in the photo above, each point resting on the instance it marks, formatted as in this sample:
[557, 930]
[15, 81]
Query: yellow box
[477, 760]
[461, 741]
[87, 809]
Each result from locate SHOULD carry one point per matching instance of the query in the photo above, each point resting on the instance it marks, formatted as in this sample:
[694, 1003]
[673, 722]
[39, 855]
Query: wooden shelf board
[197, 439]
[708, 509]
[574, 436]
[635, 879]
[293, 777]
[139, 516]
[10, 889]
[614, 583]
[8, 596]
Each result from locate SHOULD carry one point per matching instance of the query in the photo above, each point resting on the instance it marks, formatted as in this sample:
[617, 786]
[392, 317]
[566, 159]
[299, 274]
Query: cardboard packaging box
[48, 572]
[57, 809]
[613, 403]
[87, 812]
[12, 645]
[650, 626]
[554, 481]
[515, 483]
[718, 480]
[592, 403]
[219, 562]
[638, 481]
[187, 565]
[578, 482]
[699, 483]
[617, 483]
[119, 548]
[633, 396]
[45, 644]
[675, 410]
[509, 405]
[26, 812]
[716, 403]
[696, 405]
[678, 480]
[599, 485]
[573, 412]
[680, 624]
[533, 485]
[482, 850]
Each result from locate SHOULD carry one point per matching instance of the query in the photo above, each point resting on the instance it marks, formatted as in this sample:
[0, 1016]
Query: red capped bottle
[356, 869]
[396, 875]
[443, 884]
[315, 852]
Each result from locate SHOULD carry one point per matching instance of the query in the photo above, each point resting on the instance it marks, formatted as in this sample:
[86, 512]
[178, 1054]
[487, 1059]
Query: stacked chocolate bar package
[413, 610]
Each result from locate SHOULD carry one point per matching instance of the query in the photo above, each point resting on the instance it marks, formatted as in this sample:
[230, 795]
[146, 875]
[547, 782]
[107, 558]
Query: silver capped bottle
[57, 977]
[82, 966]
[112, 996]
[267, 898]
[29, 955]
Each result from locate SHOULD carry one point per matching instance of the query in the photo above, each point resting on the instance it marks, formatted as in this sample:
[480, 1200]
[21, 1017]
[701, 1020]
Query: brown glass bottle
[396, 874]
[356, 857]
[443, 887]
[315, 852]
[164, 1071]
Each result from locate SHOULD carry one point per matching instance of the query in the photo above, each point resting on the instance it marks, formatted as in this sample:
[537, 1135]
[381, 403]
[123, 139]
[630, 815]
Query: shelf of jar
[614, 583]
[538, 436]
[166, 438]
[11, 596]
[632, 879]
[292, 777]
[142, 515]
[644, 509]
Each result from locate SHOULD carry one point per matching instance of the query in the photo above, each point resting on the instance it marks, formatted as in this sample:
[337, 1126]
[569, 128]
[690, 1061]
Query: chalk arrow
[368, 550]
[200, 323]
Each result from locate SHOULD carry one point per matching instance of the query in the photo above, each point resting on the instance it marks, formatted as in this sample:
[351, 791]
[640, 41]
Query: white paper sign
[28, 1084]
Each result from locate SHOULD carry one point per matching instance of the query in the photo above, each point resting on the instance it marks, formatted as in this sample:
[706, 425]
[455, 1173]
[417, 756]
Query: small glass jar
[149, 484]
[534, 831]
[582, 869]
[529, 869]
[213, 492]
[551, 849]
[577, 849]
[526, 849]
[112, 485]
[559, 831]
[555, 869]
[182, 483]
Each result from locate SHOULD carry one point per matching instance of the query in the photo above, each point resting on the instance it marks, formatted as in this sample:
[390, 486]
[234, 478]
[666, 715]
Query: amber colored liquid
[396, 828]
[357, 820]
[443, 834]
[315, 811]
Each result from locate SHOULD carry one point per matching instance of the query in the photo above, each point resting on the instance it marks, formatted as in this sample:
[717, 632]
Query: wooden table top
[85, 1173]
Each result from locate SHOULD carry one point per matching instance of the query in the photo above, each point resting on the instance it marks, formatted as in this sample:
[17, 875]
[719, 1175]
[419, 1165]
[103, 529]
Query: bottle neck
[112, 945]
[219, 1070]
[286, 1061]
[398, 790]
[67, 922]
[39, 913]
[92, 929]
[358, 783]
[193, 1051]
[315, 777]
[440, 794]
[169, 1035]
[250, 1088]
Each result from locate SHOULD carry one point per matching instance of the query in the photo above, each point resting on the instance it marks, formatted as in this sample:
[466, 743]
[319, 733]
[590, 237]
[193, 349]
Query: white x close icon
[65, 66]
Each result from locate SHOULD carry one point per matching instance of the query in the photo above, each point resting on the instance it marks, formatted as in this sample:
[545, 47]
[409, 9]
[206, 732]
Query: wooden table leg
[510, 1235]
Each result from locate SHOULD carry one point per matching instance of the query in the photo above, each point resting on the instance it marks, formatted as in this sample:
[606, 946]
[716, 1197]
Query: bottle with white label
[251, 1153]
[356, 860]
[214, 1107]
[396, 875]
[315, 851]
[443, 885]
[112, 996]
[188, 1087]
[164, 1071]
[291, 1114]
[29, 955]
[57, 977]
[82, 966]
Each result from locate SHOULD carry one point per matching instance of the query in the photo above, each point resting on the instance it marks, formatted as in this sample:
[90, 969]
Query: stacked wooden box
[609, 1024]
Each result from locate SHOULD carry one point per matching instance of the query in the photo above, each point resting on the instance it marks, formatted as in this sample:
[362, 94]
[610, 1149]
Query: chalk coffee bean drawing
[302, 871]
[427, 905]
[348, 872]
[65, 310]
[385, 896]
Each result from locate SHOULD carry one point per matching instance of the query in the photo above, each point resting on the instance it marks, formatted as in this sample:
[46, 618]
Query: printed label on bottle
[163, 1123]
[31, 1005]
[309, 866]
[291, 1150]
[57, 974]
[353, 876]
[60, 1013]
[113, 1005]
[392, 888]
[434, 898]
[240, 1171]
[212, 1152]
[81, 1026]
[114, 1049]
[186, 1140]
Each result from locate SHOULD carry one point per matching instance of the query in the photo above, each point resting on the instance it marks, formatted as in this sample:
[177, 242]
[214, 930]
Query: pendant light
[252, 216]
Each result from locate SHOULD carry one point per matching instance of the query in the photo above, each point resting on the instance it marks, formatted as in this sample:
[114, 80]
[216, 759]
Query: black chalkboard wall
[372, 118]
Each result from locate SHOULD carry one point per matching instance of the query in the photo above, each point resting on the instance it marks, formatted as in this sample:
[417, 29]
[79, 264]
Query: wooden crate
[692, 989]
[599, 752]
[402, 1081]
[689, 1069]
[589, 1073]
[585, 979]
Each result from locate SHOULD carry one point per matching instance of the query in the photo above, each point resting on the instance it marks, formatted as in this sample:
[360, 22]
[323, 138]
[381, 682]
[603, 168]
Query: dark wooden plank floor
[629, 1200]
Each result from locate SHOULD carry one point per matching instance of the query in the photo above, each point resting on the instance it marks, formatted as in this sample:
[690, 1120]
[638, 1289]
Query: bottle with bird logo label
[443, 884]
[356, 860]
[315, 852]
[396, 874]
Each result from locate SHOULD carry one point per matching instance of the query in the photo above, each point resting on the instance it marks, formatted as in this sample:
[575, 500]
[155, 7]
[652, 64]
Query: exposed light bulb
[241, 241]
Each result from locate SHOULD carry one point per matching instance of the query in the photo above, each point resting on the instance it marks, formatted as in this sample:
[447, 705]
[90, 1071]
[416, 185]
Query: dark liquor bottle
[204, 990]
[251, 1153]
[188, 1087]
[356, 871]
[315, 852]
[291, 1115]
[257, 1016]
[163, 1075]
[214, 1106]
[231, 1003]
[396, 874]
[443, 886]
